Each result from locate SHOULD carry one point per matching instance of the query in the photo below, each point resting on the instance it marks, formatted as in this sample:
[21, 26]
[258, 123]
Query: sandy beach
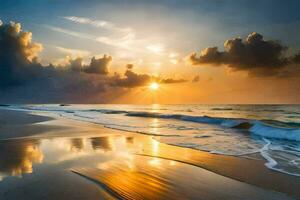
[150, 100]
[42, 157]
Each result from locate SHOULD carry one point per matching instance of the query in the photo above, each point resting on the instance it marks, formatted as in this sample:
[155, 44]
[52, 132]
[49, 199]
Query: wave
[108, 111]
[141, 132]
[265, 128]
[275, 132]
[221, 109]
[271, 162]
[4, 105]
[282, 124]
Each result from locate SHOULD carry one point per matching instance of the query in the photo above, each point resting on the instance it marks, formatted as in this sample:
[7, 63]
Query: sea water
[272, 131]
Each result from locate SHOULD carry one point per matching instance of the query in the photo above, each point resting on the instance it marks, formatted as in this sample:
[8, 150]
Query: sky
[198, 51]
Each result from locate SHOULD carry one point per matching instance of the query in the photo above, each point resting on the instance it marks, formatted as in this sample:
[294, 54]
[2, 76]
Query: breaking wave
[265, 128]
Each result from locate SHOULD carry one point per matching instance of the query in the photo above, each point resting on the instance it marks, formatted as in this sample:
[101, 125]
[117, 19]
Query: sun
[154, 86]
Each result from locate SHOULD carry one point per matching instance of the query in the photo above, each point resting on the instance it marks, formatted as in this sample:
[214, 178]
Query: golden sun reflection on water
[155, 147]
[18, 157]
[155, 107]
[133, 166]
[139, 178]
[155, 162]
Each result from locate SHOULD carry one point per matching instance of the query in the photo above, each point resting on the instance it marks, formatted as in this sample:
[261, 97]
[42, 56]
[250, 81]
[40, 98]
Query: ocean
[270, 131]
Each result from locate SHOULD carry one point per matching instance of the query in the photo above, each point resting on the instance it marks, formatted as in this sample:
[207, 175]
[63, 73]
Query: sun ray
[154, 86]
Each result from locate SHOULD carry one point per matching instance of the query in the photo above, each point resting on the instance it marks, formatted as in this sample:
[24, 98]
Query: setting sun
[154, 86]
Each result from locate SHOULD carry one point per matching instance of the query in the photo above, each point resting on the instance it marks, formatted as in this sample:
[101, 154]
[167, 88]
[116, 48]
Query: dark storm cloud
[254, 54]
[24, 79]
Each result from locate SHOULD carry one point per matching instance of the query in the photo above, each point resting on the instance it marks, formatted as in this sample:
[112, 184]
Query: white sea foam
[271, 162]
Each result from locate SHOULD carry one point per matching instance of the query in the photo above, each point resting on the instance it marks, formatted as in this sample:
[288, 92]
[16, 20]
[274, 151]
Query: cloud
[24, 79]
[170, 81]
[99, 66]
[129, 66]
[96, 65]
[254, 54]
[131, 79]
[16, 50]
[296, 58]
[69, 32]
[119, 37]
[83, 20]
[73, 52]
[156, 48]
[196, 79]
[125, 41]
[97, 23]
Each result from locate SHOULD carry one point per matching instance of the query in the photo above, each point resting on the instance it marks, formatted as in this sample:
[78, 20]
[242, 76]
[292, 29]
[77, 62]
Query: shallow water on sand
[113, 162]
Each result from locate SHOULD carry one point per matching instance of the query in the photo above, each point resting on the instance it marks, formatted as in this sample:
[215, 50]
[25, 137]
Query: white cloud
[173, 55]
[73, 52]
[68, 32]
[124, 38]
[173, 61]
[119, 42]
[97, 23]
[125, 42]
[156, 48]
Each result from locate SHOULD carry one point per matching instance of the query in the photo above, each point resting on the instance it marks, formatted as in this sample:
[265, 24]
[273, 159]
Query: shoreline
[227, 166]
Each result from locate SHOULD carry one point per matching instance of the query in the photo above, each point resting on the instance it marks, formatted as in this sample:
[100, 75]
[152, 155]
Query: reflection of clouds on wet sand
[116, 162]
[77, 144]
[129, 140]
[102, 143]
[17, 157]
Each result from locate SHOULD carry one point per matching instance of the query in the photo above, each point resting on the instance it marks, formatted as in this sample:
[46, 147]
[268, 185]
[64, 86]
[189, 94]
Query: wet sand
[16, 124]
[47, 158]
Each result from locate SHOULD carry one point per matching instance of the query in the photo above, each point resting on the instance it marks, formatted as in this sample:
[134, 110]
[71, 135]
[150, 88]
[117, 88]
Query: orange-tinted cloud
[25, 79]
[96, 66]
